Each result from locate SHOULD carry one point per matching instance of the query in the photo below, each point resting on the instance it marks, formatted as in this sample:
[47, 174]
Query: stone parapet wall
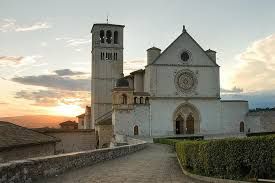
[33, 169]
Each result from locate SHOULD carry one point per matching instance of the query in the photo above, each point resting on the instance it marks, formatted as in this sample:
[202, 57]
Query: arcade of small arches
[108, 56]
[141, 100]
[137, 100]
[109, 37]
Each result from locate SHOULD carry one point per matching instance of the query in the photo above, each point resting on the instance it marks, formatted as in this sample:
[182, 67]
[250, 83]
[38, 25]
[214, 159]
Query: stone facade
[233, 114]
[34, 169]
[105, 135]
[73, 140]
[107, 66]
[80, 121]
[125, 121]
[85, 119]
[262, 121]
[24, 152]
[182, 84]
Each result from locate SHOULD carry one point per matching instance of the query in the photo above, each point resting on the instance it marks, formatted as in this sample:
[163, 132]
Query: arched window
[135, 130]
[109, 36]
[124, 99]
[115, 37]
[115, 56]
[101, 36]
[141, 100]
[147, 100]
[135, 100]
[241, 126]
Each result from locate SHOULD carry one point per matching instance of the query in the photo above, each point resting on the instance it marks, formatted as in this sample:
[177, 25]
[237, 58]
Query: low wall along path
[35, 169]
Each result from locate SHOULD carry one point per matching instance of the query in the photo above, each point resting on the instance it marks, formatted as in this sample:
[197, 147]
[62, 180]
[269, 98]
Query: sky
[45, 47]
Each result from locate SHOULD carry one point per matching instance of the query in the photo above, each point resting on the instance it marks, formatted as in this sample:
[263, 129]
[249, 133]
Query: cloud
[18, 60]
[74, 42]
[56, 81]
[68, 72]
[10, 25]
[258, 99]
[36, 26]
[256, 71]
[13, 59]
[3, 103]
[233, 90]
[7, 25]
[133, 65]
[44, 44]
[50, 98]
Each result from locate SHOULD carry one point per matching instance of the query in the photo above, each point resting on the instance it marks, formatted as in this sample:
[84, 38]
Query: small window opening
[124, 99]
[101, 36]
[115, 37]
[109, 36]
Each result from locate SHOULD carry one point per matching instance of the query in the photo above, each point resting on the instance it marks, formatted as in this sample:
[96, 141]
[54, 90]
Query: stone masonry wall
[74, 141]
[27, 152]
[30, 170]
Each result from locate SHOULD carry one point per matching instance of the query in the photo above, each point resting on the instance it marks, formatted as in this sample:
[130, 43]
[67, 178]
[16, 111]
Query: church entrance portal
[179, 125]
[186, 119]
[190, 124]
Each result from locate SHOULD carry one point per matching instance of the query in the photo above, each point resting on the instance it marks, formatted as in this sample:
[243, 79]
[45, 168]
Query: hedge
[172, 140]
[166, 141]
[229, 158]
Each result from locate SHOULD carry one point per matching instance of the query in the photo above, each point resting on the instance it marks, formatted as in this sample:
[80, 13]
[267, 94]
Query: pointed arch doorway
[186, 119]
[190, 124]
[179, 125]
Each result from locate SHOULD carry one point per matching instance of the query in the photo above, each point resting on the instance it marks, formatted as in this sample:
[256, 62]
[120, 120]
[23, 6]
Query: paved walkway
[156, 163]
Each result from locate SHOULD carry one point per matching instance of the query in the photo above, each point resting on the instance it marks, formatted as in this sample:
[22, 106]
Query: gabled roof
[12, 135]
[138, 71]
[184, 32]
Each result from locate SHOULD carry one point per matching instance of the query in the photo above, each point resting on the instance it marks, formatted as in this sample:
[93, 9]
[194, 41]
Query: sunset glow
[45, 58]
[66, 110]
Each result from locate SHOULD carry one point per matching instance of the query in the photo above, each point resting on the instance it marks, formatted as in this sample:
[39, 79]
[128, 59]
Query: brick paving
[156, 163]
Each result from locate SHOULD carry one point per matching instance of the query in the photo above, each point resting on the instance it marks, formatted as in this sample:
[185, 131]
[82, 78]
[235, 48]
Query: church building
[178, 92]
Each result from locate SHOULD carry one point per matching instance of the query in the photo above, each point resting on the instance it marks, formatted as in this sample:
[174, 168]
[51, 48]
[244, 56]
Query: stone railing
[33, 169]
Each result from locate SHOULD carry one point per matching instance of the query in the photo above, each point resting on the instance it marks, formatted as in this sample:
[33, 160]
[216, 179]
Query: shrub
[165, 141]
[229, 158]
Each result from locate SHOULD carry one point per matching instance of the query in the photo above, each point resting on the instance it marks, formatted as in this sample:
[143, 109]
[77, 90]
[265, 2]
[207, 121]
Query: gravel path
[156, 163]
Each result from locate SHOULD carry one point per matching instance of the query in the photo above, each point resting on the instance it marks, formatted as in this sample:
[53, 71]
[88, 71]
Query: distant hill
[37, 121]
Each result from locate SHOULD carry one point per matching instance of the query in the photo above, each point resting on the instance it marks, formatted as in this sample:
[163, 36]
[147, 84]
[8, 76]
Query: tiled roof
[61, 130]
[68, 123]
[12, 135]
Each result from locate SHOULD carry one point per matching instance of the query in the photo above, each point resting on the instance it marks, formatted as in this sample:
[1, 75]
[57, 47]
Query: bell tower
[107, 66]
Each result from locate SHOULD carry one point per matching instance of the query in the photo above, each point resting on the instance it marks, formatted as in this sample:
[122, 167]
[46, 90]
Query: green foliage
[228, 158]
[172, 140]
[259, 134]
[166, 141]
